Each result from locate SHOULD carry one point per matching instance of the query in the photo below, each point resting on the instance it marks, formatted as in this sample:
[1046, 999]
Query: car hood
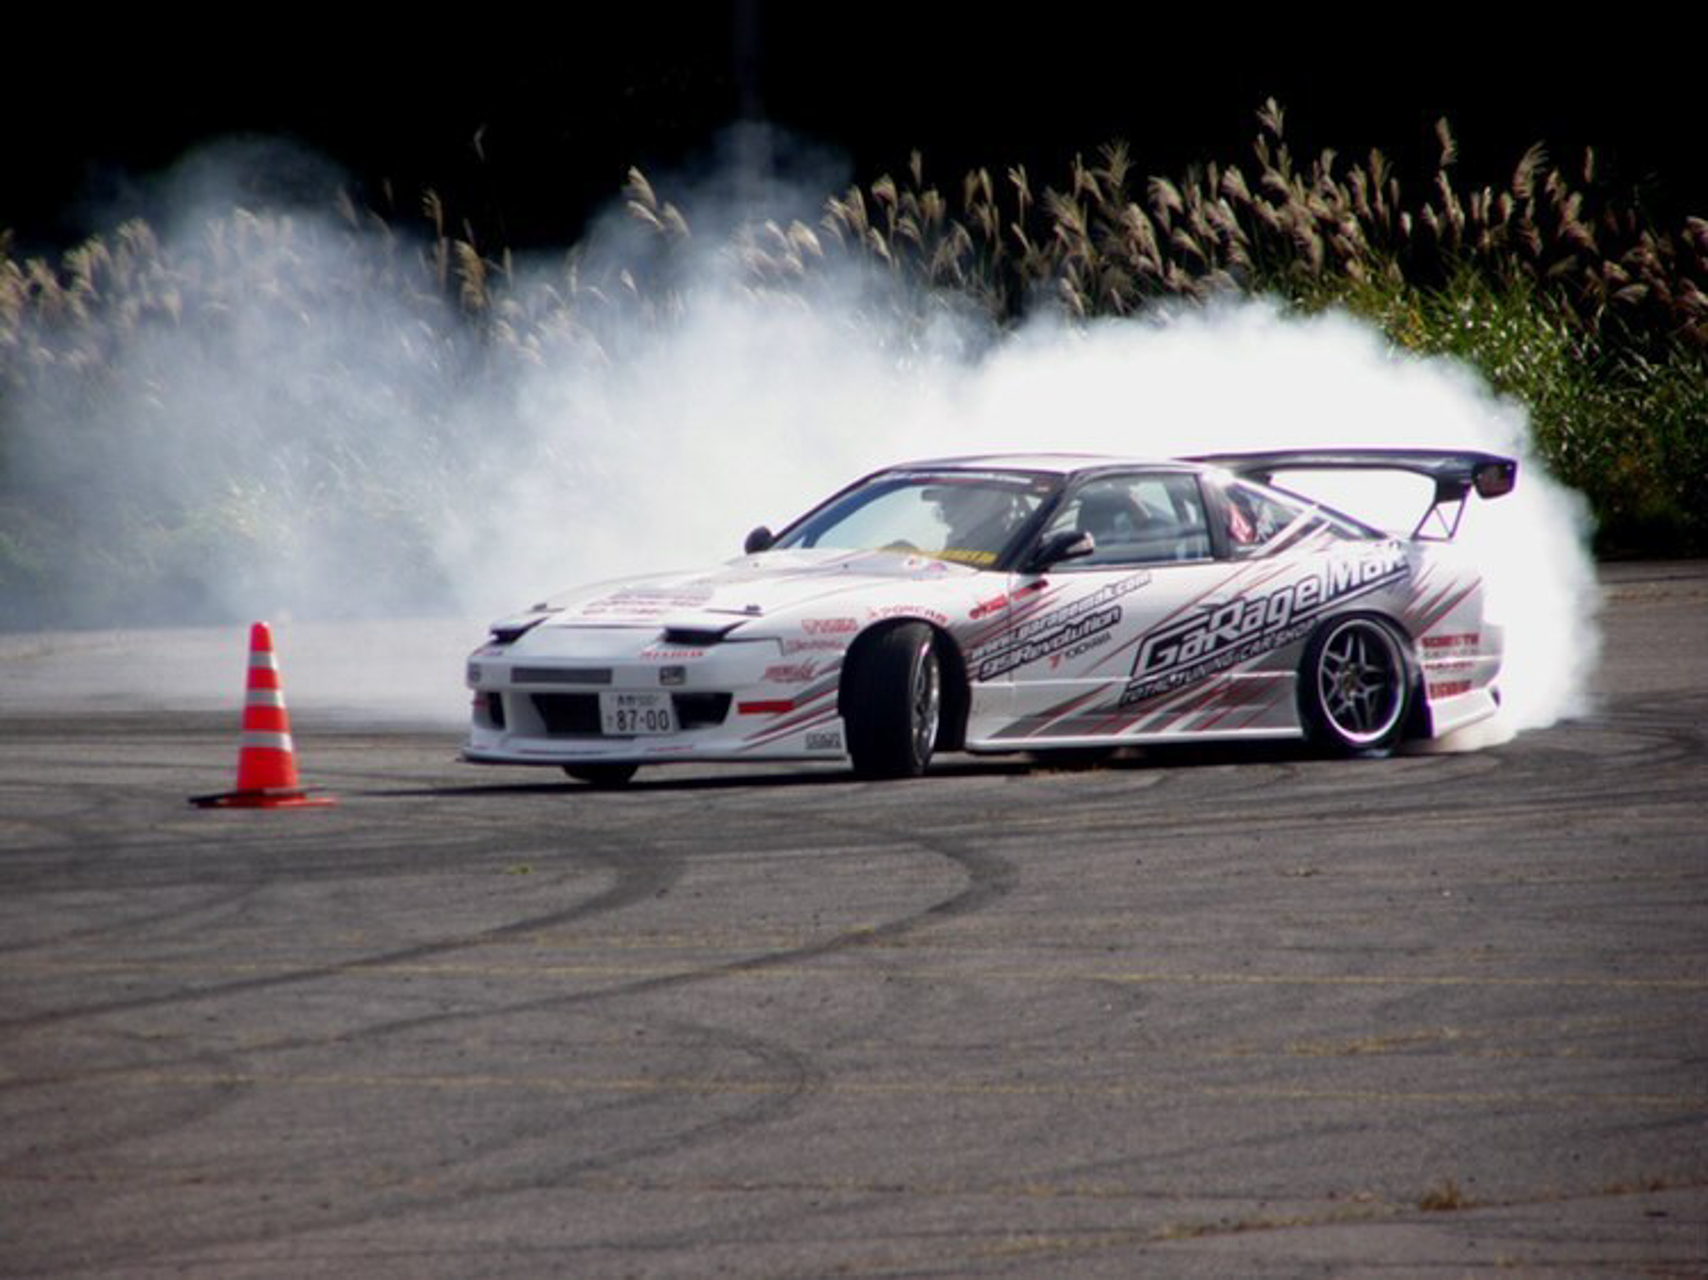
[750, 587]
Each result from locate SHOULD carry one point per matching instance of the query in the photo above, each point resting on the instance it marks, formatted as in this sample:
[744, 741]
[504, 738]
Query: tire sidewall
[879, 710]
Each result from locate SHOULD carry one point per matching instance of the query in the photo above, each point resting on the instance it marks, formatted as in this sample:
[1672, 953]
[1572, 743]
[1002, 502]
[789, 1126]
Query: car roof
[1056, 463]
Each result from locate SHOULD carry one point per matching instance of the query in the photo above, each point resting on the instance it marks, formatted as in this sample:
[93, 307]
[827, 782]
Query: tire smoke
[306, 434]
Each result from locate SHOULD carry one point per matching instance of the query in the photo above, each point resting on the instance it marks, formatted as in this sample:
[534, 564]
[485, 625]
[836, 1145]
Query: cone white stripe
[264, 659]
[264, 698]
[274, 741]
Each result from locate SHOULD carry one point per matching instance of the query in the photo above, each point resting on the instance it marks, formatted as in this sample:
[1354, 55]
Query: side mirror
[759, 540]
[1066, 545]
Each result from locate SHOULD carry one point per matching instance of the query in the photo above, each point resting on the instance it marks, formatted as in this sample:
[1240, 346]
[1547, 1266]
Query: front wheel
[1355, 687]
[893, 703]
[601, 775]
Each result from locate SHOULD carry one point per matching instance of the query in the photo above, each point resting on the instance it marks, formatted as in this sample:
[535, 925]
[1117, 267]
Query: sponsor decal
[1056, 630]
[790, 672]
[1222, 636]
[814, 646]
[825, 740]
[877, 612]
[1079, 650]
[984, 608]
[830, 626]
[648, 602]
[1180, 677]
[1449, 688]
[1049, 644]
[1460, 640]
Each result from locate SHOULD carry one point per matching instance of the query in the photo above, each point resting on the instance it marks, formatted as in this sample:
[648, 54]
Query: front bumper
[538, 701]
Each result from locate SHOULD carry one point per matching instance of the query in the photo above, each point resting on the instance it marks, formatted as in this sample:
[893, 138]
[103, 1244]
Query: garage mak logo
[1222, 636]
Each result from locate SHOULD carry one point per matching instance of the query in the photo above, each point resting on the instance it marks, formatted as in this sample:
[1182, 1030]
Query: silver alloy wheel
[1361, 682]
[925, 700]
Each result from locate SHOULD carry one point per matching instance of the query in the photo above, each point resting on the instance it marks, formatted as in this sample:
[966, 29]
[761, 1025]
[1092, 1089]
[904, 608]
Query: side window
[1145, 518]
[1256, 518]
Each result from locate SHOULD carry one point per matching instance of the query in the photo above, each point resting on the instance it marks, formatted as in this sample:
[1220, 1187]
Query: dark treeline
[526, 125]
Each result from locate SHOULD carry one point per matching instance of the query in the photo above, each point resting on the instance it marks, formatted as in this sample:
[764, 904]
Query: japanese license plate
[636, 715]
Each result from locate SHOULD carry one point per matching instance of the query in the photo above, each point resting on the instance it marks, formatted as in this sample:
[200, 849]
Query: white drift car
[1018, 604]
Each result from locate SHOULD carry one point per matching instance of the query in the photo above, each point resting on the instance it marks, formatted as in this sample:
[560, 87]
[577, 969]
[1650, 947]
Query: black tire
[1355, 687]
[601, 775]
[893, 702]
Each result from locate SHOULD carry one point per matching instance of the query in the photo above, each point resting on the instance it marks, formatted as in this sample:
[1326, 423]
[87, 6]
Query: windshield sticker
[978, 479]
[967, 555]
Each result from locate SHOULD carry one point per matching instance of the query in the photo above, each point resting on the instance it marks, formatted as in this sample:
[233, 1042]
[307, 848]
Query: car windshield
[971, 517]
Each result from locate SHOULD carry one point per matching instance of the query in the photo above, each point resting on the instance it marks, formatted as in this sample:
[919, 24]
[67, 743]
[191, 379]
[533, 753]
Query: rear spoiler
[1455, 473]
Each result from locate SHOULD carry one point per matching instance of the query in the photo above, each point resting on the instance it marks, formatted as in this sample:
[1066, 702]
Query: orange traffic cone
[267, 762]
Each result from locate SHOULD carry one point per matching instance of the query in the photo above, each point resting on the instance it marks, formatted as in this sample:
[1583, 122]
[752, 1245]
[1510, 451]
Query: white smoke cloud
[747, 412]
[381, 462]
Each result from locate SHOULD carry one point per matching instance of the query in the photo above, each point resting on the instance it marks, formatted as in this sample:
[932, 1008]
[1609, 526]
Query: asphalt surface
[1191, 1014]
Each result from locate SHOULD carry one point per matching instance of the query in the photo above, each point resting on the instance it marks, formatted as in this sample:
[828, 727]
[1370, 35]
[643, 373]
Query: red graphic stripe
[1038, 601]
[1431, 619]
[807, 712]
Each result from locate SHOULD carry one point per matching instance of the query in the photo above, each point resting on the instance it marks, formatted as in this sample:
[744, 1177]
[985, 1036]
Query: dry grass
[1307, 232]
[1555, 285]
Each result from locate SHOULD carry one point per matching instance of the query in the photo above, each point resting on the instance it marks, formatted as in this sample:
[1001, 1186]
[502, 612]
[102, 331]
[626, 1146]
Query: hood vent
[697, 637]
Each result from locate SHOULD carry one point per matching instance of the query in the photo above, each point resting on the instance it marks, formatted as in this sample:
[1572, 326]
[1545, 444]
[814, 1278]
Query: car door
[1071, 638]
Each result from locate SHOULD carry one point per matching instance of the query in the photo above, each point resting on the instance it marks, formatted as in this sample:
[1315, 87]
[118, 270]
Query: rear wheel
[1355, 687]
[601, 775]
[893, 703]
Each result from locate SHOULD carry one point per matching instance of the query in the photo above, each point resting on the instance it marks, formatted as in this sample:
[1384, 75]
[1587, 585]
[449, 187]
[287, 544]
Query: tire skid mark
[215, 902]
[989, 877]
[789, 1078]
[795, 1075]
[1567, 764]
[637, 878]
